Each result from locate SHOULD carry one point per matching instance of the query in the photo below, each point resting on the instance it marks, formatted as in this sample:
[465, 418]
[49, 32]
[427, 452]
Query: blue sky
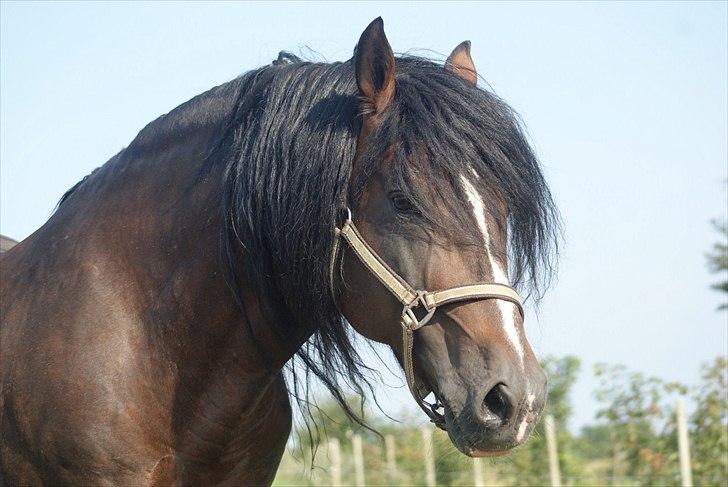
[626, 104]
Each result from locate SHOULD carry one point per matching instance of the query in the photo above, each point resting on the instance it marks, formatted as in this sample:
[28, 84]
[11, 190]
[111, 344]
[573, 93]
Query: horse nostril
[497, 403]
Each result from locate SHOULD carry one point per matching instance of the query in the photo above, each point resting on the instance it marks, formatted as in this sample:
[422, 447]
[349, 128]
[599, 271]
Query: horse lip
[486, 453]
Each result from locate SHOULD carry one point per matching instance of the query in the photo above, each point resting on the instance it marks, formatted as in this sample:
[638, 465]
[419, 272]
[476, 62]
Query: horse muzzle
[490, 421]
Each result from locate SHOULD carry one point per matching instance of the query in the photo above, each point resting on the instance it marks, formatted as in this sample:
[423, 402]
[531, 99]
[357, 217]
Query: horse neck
[154, 222]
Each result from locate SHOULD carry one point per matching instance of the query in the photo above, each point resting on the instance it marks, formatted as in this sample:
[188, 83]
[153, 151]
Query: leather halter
[411, 300]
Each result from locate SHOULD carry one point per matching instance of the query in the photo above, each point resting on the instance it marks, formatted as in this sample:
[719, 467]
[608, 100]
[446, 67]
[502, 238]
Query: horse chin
[471, 451]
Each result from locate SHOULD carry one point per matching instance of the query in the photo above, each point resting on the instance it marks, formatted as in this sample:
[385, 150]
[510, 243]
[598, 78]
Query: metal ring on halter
[410, 320]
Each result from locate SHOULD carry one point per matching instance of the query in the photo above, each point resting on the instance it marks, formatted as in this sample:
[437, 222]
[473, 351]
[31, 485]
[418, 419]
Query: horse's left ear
[460, 63]
[374, 68]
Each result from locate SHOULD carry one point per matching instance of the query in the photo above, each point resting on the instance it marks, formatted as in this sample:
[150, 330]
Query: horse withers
[146, 326]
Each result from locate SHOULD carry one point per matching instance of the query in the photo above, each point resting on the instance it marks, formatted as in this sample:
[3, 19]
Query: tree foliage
[639, 416]
[718, 260]
[709, 425]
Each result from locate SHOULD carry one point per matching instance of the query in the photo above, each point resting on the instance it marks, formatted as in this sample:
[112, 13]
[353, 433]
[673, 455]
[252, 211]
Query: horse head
[442, 174]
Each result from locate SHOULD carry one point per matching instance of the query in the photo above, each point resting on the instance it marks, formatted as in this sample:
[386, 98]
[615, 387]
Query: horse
[147, 326]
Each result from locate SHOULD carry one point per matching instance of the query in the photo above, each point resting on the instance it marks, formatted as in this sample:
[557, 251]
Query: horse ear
[460, 63]
[374, 68]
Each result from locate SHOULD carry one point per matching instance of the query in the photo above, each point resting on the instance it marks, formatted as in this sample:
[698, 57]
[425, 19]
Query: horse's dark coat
[146, 324]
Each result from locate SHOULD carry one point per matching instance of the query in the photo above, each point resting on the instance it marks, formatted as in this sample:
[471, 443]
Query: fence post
[335, 459]
[478, 472]
[358, 461]
[683, 443]
[430, 478]
[390, 446]
[554, 472]
[616, 456]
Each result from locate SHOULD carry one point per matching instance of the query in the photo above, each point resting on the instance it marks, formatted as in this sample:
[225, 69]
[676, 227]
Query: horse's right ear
[374, 69]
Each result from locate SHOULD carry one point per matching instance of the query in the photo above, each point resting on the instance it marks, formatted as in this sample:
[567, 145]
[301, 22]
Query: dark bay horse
[146, 326]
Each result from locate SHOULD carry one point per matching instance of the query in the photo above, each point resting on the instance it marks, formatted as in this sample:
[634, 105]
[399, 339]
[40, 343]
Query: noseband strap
[414, 302]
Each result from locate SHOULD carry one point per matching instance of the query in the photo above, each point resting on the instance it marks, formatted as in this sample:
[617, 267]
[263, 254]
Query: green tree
[709, 425]
[594, 442]
[718, 259]
[641, 425]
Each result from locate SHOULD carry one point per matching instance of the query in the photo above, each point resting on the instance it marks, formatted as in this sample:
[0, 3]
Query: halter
[412, 300]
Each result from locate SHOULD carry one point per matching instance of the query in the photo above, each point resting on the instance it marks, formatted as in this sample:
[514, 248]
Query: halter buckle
[409, 319]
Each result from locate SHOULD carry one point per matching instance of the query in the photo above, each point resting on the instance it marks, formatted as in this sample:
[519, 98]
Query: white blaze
[507, 309]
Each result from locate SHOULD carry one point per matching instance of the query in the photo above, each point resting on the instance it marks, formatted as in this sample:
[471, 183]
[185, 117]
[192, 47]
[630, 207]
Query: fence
[368, 465]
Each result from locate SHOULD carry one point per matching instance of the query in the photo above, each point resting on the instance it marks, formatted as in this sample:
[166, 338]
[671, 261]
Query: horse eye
[401, 203]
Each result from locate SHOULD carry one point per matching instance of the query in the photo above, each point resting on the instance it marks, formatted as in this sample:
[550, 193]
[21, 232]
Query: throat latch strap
[414, 302]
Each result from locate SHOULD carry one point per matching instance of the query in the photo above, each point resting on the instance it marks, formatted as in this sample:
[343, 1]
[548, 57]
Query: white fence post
[358, 461]
[683, 444]
[335, 459]
[390, 446]
[554, 472]
[430, 478]
[478, 472]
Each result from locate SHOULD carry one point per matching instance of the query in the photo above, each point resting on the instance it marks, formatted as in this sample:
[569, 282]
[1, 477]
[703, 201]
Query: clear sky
[626, 104]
